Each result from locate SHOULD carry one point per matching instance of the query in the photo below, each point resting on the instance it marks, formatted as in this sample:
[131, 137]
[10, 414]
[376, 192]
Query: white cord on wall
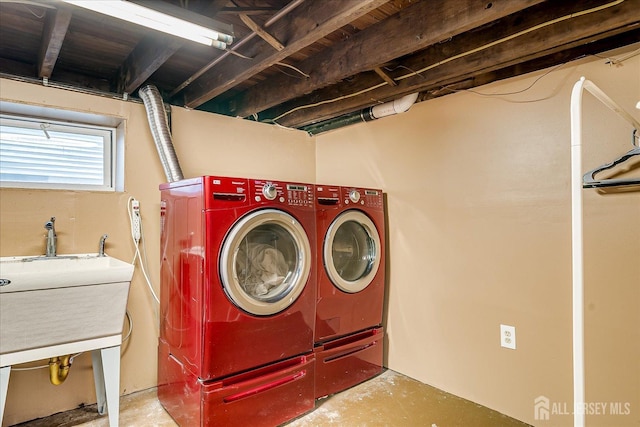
[137, 235]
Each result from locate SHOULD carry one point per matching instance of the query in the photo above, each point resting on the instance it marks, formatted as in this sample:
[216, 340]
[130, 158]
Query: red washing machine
[348, 338]
[237, 301]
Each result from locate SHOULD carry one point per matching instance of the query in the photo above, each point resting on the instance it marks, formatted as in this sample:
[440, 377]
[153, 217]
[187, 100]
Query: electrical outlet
[508, 336]
[135, 220]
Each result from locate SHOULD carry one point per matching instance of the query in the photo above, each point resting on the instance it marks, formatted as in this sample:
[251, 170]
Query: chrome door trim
[371, 230]
[229, 253]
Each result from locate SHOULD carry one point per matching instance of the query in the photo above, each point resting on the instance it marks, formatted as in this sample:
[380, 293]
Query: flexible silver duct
[159, 126]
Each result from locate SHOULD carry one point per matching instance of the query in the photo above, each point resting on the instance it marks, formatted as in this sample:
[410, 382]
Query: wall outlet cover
[508, 336]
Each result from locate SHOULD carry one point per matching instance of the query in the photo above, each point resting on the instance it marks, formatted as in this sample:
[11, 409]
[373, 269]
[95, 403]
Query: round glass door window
[352, 251]
[265, 261]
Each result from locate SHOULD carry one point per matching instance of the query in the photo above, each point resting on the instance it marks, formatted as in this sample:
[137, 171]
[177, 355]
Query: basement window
[54, 154]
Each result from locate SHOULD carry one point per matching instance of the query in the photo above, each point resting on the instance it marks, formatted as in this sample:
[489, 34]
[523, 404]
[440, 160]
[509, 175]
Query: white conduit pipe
[577, 250]
[396, 106]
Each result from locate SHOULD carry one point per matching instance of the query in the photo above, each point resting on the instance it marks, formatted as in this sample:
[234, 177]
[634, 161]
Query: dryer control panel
[277, 192]
[368, 197]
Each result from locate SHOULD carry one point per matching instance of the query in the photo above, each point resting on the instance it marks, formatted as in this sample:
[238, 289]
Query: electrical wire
[513, 36]
[620, 60]
[137, 255]
[453, 58]
[516, 92]
[33, 368]
[328, 101]
[282, 64]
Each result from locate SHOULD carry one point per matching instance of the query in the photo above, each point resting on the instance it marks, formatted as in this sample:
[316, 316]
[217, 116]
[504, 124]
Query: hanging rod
[577, 251]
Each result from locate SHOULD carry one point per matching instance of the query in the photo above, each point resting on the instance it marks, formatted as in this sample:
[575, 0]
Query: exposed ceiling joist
[384, 76]
[321, 58]
[469, 55]
[153, 51]
[55, 29]
[188, 15]
[247, 10]
[546, 62]
[148, 55]
[414, 28]
[305, 25]
[261, 32]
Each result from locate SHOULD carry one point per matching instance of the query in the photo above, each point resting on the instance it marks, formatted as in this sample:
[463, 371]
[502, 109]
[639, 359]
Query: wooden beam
[262, 33]
[384, 76]
[248, 10]
[573, 32]
[413, 28]
[304, 25]
[153, 51]
[215, 7]
[55, 29]
[145, 59]
[478, 79]
[11, 69]
[189, 15]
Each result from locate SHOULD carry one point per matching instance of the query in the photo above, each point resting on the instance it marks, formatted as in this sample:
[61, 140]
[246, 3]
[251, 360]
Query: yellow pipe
[59, 369]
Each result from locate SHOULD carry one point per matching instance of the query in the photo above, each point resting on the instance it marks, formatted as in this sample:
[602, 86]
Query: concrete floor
[390, 399]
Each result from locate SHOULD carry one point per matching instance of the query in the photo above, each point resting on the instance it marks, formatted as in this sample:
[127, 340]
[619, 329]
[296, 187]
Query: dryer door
[265, 261]
[352, 251]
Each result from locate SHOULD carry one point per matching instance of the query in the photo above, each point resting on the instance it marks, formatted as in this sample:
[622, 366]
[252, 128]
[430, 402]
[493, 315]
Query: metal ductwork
[368, 114]
[159, 126]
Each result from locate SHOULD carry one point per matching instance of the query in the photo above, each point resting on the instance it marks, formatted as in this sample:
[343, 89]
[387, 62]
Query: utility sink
[30, 273]
[62, 305]
[51, 301]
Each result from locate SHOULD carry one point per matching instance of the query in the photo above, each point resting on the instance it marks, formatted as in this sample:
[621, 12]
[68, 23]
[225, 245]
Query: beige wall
[206, 144]
[479, 211]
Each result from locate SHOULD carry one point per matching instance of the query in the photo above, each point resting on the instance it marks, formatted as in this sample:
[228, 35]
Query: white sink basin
[64, 305]
[51, 302]
[27, 273]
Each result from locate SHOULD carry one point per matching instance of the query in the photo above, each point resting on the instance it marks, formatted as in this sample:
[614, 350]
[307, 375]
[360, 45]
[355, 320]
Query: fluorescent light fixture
[140, 15]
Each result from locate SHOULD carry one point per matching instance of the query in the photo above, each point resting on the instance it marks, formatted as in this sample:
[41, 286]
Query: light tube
[159, 21]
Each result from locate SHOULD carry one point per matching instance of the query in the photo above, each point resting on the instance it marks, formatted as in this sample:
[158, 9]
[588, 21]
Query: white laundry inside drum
[261, 269]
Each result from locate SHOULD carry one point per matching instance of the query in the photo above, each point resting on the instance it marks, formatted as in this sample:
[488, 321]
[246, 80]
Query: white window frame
[109, 128]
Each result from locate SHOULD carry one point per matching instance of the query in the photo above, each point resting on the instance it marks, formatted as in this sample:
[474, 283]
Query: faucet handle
[101, 245]
[50, 225]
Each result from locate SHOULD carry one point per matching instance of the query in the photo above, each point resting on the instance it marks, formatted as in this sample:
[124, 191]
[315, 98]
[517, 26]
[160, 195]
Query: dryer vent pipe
[390, 108]
[158, 123]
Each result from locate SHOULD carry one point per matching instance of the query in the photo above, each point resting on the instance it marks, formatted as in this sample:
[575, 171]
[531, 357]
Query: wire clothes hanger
[589, 180]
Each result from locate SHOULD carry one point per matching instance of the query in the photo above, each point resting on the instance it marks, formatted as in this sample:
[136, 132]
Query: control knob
[269, 191]
[354, 196]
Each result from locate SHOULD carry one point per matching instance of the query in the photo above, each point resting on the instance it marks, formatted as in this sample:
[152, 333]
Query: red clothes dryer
[237, 290]
[351, 279]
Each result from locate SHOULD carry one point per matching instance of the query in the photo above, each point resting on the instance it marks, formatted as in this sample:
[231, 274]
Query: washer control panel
[354, 196]
[291, 194]
[368, 197]
[269, 191]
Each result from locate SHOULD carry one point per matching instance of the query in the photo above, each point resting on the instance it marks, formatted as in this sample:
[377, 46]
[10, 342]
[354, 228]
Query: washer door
[265, 261]
[352, 251]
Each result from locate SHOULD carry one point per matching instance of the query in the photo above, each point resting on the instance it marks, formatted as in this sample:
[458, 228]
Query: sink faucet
[51, 237]
[101, 247]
